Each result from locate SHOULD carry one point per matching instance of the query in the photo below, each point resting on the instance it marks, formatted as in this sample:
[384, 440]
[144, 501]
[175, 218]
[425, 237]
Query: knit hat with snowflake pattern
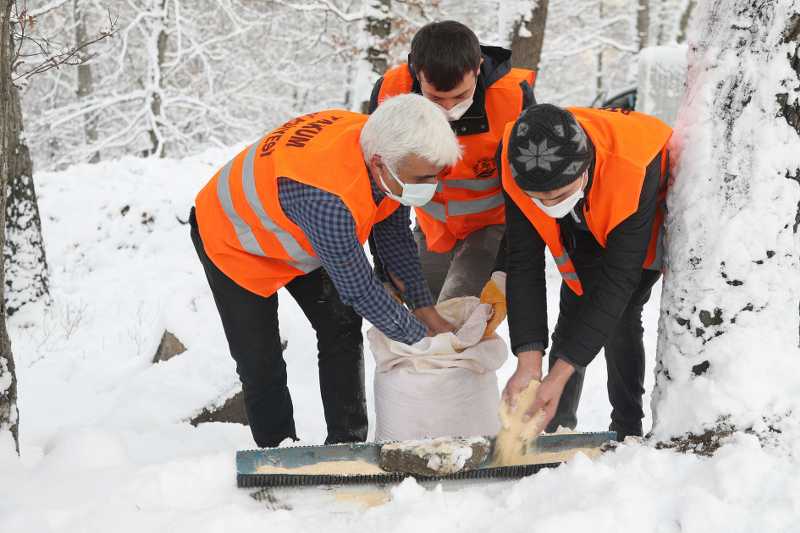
[547, 149]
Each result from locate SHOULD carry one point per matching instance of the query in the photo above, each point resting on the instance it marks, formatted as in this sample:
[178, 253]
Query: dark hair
[445, 51]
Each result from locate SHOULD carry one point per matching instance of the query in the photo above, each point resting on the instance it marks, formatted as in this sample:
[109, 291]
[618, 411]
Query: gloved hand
[494, 294]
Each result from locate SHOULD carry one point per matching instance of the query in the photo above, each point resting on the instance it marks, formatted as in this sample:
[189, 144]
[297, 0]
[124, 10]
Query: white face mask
[458, 110]
[414, 194]
[562, 208]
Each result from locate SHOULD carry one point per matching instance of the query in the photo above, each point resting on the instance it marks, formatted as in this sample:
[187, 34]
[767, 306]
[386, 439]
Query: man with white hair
[293, 210]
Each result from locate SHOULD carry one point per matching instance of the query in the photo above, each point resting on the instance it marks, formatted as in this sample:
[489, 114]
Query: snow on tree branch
[51, 54]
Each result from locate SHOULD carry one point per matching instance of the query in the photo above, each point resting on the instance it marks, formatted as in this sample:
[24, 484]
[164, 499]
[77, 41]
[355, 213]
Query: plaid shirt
[330, 227]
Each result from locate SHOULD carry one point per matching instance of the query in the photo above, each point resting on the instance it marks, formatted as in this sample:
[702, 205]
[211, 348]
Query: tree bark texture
[26, 275]
[378, 27]
[527, 38]
[643, 22]
[9, 137]
[85, 80]
[156, 73]
[728, 349]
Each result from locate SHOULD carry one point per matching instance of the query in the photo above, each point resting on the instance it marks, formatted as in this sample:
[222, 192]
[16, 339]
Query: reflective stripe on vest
[462, 207]
[246, 233]
[470, 184]
[561, 259]
[468, 196]
[625, 144]
[302, 260]
[435, 209]
[243, 231]
[471, 207]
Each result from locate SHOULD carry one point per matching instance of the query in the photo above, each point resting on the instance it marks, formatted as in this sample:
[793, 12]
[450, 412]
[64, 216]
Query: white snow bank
[742, 488]
[105, 446]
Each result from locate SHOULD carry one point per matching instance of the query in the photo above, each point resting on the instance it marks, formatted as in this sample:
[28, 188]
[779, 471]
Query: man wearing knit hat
[589, 184]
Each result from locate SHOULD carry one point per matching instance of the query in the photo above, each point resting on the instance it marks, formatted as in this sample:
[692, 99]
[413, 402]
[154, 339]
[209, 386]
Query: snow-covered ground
[106, 446]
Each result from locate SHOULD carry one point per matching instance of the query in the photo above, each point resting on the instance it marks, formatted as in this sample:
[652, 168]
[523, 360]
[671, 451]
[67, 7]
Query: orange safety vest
[244, 230]
[625, 143]
[469, 196]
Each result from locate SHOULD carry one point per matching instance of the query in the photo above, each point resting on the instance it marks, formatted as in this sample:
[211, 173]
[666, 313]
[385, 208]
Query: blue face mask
[414, 194]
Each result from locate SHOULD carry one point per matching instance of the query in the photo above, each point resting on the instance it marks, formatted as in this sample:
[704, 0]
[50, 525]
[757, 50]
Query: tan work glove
[494, 294]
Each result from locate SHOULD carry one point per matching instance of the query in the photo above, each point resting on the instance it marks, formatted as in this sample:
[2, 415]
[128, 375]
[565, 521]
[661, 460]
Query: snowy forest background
[116, 112]
[179, 76]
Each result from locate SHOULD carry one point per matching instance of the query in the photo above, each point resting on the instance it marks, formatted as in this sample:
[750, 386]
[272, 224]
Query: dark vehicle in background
[623, 100]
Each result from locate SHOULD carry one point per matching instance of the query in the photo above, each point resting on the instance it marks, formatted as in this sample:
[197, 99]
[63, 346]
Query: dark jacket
[522, 256]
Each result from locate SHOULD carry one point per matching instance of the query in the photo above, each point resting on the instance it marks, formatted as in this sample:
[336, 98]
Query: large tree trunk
[10, 122]
[377, 28]
[26, 275]
[85, 81]
[527, 38]
[26, 278]
[728, 350]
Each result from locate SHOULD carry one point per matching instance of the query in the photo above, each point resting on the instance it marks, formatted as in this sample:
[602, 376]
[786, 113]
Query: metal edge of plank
[289, 480]
[248, 462]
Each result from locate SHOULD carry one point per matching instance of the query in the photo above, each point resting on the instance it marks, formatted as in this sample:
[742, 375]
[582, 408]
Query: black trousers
[624, 350]
[250, 322]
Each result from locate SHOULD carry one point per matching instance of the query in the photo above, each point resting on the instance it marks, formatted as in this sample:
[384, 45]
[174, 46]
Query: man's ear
[375, 165]
[375, 161]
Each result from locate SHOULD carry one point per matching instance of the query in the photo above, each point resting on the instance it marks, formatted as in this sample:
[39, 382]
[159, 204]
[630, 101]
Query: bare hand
[397, 282]
[529, 366]
[549, 393]
[435, 322]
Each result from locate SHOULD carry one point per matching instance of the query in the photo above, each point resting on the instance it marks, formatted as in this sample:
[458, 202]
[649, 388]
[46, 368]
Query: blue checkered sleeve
[398, 253]
[330, 227]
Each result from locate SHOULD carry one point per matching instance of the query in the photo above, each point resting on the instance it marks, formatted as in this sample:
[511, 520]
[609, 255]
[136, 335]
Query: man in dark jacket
[458, 233]
[589, 185]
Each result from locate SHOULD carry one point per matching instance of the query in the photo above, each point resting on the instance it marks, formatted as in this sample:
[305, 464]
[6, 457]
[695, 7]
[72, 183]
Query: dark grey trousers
[624, 355]
[464, 270]
[250, 322]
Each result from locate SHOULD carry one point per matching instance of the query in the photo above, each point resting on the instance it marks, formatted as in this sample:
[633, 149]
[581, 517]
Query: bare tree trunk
[728, 345]
[26, 273]
[378, 27]
[10, 121]
[528, 36]
[599, 91]
[85, 81]
[156, 72]
[683, 25]
[643, 22]
[26, 277]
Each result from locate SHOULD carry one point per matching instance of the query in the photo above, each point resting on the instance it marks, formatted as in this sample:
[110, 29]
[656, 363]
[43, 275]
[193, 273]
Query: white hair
[409, 124]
